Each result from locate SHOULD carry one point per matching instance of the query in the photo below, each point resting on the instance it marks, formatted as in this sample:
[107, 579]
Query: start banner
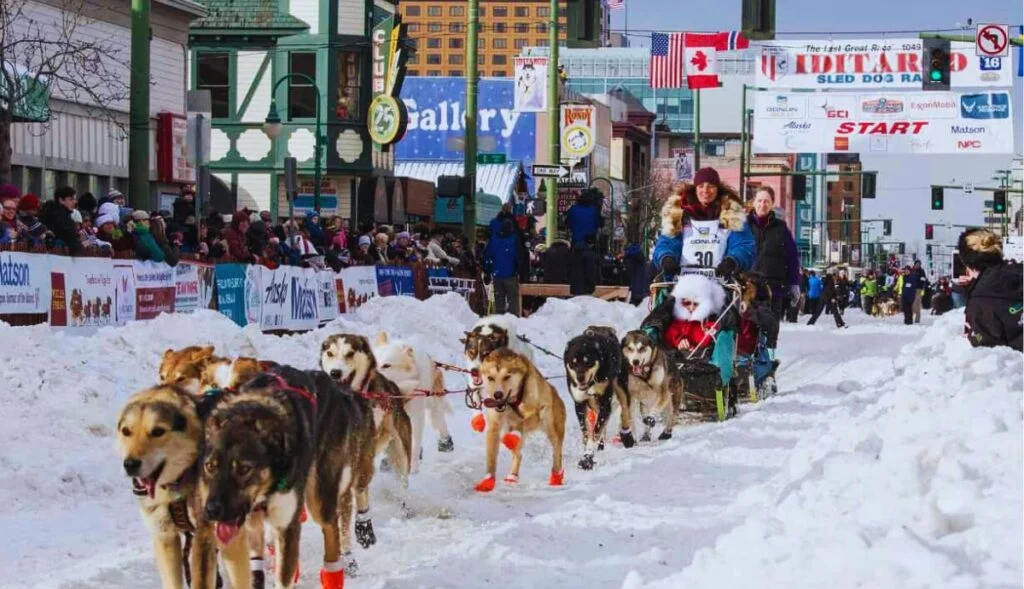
[860, 64]
[896, 123]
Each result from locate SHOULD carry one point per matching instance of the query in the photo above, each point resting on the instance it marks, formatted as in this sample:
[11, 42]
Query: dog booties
[511, 440]
[478, 423]
[486, 484]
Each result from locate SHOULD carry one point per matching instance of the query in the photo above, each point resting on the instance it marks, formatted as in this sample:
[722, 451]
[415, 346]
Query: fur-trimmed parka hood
[731, 214]
[708, 294]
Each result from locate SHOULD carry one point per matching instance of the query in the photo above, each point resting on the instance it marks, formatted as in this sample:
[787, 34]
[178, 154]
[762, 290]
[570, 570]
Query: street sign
[576, 179]
[542, 171]
[490, 158]
[992, 40]
[968, 188]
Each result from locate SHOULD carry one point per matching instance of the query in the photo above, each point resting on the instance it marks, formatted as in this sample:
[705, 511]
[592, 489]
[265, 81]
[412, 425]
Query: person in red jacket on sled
[698, 301]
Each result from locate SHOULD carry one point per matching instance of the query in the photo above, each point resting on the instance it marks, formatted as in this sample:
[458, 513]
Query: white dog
[415, 372]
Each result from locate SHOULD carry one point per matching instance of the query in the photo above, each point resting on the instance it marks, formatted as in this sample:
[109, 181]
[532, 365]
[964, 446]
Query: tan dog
[653, 383]
[518, 400]
[158, 436]
[184, 368]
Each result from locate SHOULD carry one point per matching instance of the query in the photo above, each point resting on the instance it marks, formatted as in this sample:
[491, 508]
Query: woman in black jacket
[995, 293]
[777, 261]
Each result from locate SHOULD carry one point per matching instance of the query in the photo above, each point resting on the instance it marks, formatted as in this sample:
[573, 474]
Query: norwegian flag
[732, 41]
[666, 69]
[700, 56]
[616, 4]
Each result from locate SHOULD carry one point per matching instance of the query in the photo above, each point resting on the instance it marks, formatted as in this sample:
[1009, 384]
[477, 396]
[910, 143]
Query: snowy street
[890, 458]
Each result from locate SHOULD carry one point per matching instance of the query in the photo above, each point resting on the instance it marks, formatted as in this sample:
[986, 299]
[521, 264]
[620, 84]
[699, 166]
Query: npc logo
[985, 106]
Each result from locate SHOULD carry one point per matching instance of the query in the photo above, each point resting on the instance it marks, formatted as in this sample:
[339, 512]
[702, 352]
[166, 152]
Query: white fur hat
[709, 295]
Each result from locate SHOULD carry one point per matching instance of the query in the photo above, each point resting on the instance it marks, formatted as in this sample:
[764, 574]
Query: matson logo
[882, 128]
[966, 130]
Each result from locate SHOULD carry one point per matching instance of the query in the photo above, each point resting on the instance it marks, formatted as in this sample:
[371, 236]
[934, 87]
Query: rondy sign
[857, 64]
[579, 130]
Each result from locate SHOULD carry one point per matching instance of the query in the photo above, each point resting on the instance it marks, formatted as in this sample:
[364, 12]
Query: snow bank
[914, 480]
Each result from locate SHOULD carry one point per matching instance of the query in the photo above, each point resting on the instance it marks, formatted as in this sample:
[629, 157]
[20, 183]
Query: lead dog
[494, 332]
[281, 438]
[518, 400]
[595, 373]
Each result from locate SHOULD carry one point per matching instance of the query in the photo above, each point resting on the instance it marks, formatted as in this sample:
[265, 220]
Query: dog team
[224, 450]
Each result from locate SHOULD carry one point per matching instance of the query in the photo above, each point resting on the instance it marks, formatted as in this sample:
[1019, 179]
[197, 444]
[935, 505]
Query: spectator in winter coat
[28, 215]
[636, 271]
[87, 205]
[10, 228]
[813, 292]
[235, 236]
[827, 301]
[362, 256]
[868, 292]
[776, 261]
[555, 262]
[995, 295]
[146, 247]
[56, 215]
[501, 262]
[584, 218]
[909, 293]
[435, 251]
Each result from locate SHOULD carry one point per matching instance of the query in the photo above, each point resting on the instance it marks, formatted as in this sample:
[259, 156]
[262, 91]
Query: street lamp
[272, 129]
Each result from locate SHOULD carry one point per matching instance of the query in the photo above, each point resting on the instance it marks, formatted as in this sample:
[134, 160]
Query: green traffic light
[936, 75]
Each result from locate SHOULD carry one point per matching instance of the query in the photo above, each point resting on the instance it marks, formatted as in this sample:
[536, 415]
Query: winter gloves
[670, 265]
[727, 268]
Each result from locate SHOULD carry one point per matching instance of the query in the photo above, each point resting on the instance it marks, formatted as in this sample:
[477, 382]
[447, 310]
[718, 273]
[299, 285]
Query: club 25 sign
[387, 117]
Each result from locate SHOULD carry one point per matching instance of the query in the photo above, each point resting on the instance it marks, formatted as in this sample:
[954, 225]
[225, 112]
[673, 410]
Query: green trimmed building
[240, 51]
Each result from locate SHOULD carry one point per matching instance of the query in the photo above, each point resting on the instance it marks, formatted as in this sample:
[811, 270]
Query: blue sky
[903, 180]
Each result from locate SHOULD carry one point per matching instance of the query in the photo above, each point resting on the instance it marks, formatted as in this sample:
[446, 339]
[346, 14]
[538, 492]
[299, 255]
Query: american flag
[666, 70]
[616, 4]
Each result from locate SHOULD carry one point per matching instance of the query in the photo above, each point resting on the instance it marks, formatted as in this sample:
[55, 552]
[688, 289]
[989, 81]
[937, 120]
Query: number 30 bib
[703, 245]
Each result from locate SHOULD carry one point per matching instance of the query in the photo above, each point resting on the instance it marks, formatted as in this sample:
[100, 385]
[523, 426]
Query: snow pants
[506, 295]
[723, 354]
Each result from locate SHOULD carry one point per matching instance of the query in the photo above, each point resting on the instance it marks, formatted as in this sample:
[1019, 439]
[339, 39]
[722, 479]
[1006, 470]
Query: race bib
[703, 247]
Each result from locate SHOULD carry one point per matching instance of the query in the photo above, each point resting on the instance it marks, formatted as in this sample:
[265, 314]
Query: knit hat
[114, 193]
[8, 191]
[140, 216]
[104, 219]
[29, 202]
[364, 240]
[404, 235]
[708, 175]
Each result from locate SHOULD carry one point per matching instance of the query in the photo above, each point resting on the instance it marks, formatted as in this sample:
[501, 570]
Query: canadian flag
[700, 51]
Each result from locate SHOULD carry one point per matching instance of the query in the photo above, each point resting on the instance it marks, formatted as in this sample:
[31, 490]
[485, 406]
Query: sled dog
[184, 368]
[595, 373]
[159, 431]
[518, 400]
[488, 334]
[347, 359]
[281, 438]
[653, 382]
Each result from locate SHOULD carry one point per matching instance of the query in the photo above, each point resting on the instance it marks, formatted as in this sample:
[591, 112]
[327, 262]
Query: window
[522, 11]
[541, 43]
[412, 10]
[434, 27]
[500, 27]
[481, 59]
[434, 59]
[454, 27]
[348, 108]
[302, 96]
[433, 43]
[500, 44]
[714, 149]
[829, 186]
[542, 27]
[433, 11]
[519, 43]
[455, 59]
[434, 73]
[848, 185]
[413, 59]
[454, 73]
[483, 12]
[500, 12]
[499, 73]
[522, 27]
[414, 27]
[481, 43]
[561, 12]
[412, 72]
[454, 43]
[499, 60]
[456, 11]
[212, 74]
[543, 11]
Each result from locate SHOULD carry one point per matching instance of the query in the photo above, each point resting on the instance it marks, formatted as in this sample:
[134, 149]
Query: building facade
[843, 206]
[251, 54]
[85, 145]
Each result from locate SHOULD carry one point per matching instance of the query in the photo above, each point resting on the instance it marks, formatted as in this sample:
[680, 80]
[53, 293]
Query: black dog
[594, 368]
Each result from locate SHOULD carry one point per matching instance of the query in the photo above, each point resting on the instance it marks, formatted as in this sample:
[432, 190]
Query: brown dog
[184, 367]
[518, 400]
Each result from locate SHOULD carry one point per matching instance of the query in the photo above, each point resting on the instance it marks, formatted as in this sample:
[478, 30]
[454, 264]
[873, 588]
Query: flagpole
[696, 129]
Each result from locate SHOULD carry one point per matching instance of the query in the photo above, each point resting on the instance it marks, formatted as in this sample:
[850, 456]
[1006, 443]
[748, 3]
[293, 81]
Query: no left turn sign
[992, 40]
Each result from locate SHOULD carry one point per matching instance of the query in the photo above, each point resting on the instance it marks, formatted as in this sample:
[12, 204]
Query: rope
[527, 341]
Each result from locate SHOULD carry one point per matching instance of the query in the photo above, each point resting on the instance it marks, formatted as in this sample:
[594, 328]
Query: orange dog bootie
[302, 515]
[591, 420]
[557, 479]
[511, 440]
[512, 479]
[486, 484]
[332, 579]
[478, 423]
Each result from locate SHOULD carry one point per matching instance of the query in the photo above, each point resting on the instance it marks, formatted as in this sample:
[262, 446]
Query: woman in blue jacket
[704, 229]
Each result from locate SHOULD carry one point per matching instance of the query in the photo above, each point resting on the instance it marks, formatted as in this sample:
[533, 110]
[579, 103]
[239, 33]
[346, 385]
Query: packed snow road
[891, 457]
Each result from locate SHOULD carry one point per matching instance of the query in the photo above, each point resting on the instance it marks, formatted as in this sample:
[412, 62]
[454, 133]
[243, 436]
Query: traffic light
[999, 201]
[903, 248]
[935, 65]
[928, 249]
[929, 231]
[799, 187]
[450, 186]
[938, 198]
[887, 227]
[867, 184]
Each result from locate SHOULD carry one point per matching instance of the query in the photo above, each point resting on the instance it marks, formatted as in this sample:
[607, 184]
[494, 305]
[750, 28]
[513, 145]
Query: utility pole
[554, 113]
[138, 108]
[469, 167]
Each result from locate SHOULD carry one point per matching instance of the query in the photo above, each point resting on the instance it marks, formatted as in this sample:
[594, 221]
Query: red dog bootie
[512, 479]
[486, 484]
[303, 516]
[591, 420]
[557, 478]
[511, 440]
[332, 579]
[478, 423]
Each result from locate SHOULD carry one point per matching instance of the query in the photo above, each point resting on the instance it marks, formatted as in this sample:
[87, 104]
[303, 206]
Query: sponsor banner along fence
[94, 292]
[861, 64]
[911, 122]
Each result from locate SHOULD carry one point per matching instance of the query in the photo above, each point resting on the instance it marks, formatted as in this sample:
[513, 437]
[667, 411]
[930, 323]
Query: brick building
[843, 201]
